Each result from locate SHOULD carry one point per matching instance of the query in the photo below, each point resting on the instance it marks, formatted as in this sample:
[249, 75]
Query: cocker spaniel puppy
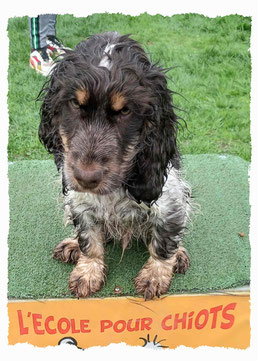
[108, 119]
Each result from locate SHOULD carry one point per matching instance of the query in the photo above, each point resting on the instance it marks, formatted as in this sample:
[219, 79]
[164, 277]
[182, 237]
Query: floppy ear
[158, 144]
[48, 128]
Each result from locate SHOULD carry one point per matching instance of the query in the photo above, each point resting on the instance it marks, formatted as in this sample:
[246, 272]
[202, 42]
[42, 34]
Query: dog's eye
[125, 111]
[75, 104]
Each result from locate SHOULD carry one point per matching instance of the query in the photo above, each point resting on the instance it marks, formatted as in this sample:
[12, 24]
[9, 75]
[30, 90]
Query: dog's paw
[148, 288]
[67, 251]
[154, 278]
[182, 261]
[87, 277]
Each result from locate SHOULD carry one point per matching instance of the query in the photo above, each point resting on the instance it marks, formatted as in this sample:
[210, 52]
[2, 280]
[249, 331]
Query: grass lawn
[212, 71]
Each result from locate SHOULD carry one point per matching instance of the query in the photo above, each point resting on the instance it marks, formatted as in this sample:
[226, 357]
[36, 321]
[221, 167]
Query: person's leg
[55, 46]
[34, 33]
[51, 25]
[40, 59]
[40, 28]
[46, 25]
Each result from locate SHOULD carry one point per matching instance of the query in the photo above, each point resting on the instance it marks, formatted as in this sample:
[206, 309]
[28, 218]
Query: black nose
[88, 178]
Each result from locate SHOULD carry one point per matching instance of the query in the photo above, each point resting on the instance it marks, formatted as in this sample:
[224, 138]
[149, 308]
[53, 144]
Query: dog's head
[107, 117]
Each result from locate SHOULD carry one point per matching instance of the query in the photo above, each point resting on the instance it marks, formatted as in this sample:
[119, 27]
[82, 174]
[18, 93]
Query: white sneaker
[41, 61]
[55, 47]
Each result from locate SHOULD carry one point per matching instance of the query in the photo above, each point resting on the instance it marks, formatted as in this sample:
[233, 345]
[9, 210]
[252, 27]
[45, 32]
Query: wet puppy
[108, 119]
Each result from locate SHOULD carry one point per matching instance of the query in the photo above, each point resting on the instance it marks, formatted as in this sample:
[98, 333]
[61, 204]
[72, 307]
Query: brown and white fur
[107, 116]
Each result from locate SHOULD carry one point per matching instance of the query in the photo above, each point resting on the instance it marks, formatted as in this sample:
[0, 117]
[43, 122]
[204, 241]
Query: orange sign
[171, 321]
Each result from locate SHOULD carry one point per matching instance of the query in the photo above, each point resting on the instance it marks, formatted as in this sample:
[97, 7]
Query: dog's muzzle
[88, 179]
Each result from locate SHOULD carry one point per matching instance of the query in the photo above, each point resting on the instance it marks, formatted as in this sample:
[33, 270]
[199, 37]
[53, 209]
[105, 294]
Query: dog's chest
[117, 213]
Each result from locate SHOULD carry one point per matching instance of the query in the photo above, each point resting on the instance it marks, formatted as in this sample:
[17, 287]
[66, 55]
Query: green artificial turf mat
[220, 258]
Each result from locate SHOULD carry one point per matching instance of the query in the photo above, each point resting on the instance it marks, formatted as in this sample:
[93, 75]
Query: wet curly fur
[107, 117]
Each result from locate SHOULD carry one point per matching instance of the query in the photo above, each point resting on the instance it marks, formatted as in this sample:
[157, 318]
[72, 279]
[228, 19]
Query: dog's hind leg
[182, 260]
[67, 251]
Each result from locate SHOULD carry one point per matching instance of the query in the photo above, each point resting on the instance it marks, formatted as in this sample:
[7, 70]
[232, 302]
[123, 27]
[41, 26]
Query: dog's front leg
[89, 274]
[167, 256]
